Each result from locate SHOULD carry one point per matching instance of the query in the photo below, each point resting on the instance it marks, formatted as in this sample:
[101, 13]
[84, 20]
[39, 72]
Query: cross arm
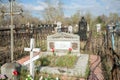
[34, 49]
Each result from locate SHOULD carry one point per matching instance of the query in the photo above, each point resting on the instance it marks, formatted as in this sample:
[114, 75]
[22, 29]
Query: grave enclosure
[62, 42]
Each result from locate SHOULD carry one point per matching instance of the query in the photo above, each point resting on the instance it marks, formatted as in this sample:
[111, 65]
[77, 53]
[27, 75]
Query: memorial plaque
[62, 45]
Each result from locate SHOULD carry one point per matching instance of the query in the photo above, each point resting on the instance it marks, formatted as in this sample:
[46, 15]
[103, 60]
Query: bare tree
[75, 17]
[113, 17]
[23, 18]
[53, 13]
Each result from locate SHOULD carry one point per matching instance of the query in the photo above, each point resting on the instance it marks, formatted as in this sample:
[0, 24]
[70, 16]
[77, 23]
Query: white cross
[32, 50]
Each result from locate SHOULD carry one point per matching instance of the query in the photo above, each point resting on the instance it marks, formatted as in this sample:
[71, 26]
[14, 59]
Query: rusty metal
[21, 39]
[110, 58]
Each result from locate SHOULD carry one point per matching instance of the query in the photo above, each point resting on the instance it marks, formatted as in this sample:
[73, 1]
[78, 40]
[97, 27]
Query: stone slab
[78, 70]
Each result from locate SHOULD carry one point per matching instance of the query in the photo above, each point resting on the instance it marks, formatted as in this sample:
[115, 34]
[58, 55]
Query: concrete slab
[78, 70]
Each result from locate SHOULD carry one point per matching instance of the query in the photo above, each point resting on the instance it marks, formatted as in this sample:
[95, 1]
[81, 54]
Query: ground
[95, 66]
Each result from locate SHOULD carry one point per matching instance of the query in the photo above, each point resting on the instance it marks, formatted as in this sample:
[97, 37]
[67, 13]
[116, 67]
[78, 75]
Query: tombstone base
[8, 69]
[79, 68]
[63, 53]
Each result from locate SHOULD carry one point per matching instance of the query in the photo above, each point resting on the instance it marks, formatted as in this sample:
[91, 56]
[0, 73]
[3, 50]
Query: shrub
[44, 61]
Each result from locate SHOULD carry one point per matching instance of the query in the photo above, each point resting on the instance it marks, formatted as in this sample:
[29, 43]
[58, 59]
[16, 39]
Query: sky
[95, 7]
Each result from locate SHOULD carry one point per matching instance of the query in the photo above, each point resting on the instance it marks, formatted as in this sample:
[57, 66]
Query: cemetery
[52, 46]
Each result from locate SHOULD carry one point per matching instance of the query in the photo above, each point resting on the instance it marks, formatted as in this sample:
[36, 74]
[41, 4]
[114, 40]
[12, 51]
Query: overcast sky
[95, 7]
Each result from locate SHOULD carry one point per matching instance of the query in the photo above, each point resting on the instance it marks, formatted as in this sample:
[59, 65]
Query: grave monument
[11, 70]
[62, 42]
[59, 44]
[82, 29]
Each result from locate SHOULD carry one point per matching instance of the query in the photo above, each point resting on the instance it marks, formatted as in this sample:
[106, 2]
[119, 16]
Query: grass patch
[58, 61]
[66, 61]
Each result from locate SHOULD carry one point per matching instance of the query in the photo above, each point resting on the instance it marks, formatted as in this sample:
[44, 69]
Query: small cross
[32, 50]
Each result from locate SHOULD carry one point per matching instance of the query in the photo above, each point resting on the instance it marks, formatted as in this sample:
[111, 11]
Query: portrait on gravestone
[51, 45]
[82, 29]
[74, 46]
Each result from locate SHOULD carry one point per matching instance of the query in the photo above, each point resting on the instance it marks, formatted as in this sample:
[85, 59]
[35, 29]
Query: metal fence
[22, 39]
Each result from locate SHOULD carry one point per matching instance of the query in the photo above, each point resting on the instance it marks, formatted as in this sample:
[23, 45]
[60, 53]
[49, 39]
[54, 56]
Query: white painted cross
[32, 50]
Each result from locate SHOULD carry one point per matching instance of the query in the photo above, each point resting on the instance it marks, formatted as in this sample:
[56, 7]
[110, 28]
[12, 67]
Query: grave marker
[83, 29]
[59, 24]
[98, 27]
[61, 42]
[11, 70]
[32, 50]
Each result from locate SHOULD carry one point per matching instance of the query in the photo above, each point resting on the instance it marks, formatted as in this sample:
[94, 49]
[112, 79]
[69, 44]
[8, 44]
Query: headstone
[98, 27]
[111, 27]
[11, 70]
[32, 50]
[59, 25]
[82, 29]
[61, 42]
[88, 27]
[75, 29]
[70, 29]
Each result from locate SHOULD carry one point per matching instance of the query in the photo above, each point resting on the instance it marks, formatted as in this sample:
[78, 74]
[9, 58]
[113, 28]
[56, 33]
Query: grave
[62, 42]
[80, 68]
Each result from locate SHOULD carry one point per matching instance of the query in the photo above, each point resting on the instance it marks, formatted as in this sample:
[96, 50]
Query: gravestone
[62, 42]
[70, 29]
[98, 27]
[11, 70]
[59, 24]
[82, 29]
[88, 28]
